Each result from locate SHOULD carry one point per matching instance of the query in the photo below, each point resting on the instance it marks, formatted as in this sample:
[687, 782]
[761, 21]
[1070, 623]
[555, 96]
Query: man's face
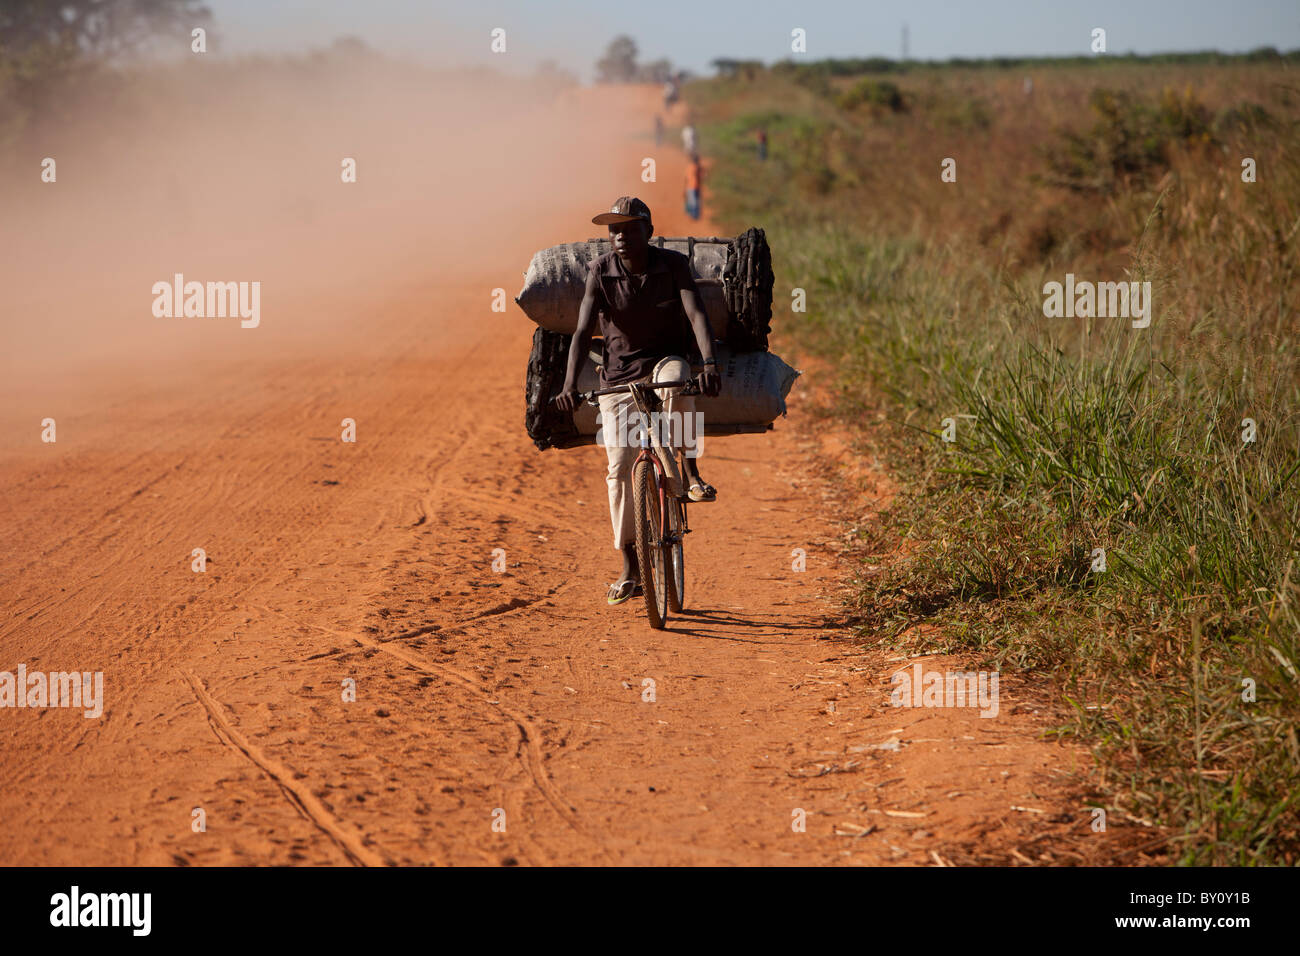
[630, 238]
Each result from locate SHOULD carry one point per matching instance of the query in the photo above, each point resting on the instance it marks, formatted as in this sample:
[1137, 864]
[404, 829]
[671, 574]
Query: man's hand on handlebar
[708, 382]
[567, 400]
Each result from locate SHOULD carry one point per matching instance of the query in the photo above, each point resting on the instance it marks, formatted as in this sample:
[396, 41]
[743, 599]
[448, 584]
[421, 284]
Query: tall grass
[1074, 436]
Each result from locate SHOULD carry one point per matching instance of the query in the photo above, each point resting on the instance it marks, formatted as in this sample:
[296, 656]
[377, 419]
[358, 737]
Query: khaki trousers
[617, 413]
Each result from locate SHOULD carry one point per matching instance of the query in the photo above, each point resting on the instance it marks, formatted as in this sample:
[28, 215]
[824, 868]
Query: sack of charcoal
[734, 277]
[754, 388]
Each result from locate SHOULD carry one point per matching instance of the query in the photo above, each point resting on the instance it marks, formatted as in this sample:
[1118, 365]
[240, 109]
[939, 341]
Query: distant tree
[729, 66]
[618, 65]
[1264, 53]
[352, 46]
[97, 29]
[660, 71]
[48, 48]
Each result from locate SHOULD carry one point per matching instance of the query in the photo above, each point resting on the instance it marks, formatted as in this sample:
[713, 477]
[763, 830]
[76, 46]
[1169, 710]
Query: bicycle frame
[664, 461]
[661, 556]
[665, 465]
[669, 477]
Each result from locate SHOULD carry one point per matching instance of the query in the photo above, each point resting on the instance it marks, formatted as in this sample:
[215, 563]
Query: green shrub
[1129, 139]
[1243, 119]
[878, 94]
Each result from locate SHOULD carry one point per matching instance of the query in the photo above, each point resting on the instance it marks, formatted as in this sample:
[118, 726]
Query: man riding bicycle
[642, 298]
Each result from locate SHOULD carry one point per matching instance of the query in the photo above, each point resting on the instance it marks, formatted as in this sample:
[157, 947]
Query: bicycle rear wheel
[651, 554]
[676, 556]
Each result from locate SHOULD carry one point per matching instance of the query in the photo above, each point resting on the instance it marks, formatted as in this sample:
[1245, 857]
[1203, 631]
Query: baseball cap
[625, 209]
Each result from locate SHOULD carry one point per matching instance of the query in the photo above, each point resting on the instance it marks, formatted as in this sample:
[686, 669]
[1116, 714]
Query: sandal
[620, 591]
[701, 490]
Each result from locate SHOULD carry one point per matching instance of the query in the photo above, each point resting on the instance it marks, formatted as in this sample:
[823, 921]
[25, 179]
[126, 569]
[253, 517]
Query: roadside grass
[1178, 661]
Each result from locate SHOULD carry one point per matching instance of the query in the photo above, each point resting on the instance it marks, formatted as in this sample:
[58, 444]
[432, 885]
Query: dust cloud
[231, 172]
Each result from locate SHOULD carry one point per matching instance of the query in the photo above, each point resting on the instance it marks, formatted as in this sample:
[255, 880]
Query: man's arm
[699, 319]
[579, 344]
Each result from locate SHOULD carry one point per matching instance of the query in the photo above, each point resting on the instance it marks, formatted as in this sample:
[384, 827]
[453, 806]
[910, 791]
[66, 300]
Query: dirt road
[500, 718]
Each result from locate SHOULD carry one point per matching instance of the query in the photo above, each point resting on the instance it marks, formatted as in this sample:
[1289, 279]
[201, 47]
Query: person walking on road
[670, 93]
[694, 175]
[689, 143]
[647, 307]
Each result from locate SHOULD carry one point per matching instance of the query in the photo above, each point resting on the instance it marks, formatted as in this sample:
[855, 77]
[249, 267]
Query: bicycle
[658, 504]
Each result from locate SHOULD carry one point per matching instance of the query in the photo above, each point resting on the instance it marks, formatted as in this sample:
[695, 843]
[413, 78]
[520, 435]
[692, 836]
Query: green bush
[1243, 119]
[1129, 139]
[878, 94]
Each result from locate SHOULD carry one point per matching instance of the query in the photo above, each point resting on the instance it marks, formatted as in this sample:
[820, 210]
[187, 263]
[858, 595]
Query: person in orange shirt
[694, 174]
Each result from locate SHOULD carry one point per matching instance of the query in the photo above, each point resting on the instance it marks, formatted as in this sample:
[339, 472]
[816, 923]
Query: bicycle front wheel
[676, 556]
[651, 554]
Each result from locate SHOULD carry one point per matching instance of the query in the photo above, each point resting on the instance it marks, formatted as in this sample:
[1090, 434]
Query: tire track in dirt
[149, 634]
[352, 845]
[528, 744]
[121, 556]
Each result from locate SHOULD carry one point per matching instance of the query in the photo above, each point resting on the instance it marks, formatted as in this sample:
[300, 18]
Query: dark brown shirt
[641, 316]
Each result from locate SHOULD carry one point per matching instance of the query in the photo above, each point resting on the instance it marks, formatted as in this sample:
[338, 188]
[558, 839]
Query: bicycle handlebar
[690, 386]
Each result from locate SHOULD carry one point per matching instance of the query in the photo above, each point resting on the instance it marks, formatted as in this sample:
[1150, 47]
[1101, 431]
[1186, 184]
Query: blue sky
[693, 32]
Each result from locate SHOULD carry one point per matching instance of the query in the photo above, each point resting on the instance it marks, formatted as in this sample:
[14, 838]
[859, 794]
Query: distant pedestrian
[659, 130]
[689, 142]
[694, 176]
[762, 143]
[670, 93]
